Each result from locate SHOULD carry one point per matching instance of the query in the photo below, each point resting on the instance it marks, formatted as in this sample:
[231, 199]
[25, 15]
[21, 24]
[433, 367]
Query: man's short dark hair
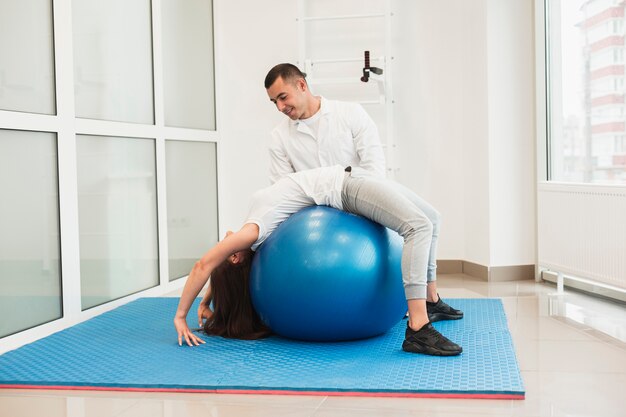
[287, 72]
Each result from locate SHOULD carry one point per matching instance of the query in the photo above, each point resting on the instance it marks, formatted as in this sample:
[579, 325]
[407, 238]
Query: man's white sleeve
[367, 142]
[280, 164]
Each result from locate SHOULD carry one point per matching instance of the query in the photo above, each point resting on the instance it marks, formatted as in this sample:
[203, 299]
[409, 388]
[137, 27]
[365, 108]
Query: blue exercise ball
[328, 275]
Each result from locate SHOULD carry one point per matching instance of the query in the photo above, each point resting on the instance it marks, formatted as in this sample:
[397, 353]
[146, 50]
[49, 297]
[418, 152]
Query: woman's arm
[204, 310]
[201, 271]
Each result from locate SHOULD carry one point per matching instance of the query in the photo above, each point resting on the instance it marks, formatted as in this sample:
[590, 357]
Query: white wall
[511, 97]
[251, 37]
[463, 88]
[441, 131]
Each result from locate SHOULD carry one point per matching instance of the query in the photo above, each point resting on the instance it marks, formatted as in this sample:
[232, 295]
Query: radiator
[582, 232]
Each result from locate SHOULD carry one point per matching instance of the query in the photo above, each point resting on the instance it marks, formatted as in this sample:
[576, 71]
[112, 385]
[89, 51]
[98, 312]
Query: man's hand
[184, 332]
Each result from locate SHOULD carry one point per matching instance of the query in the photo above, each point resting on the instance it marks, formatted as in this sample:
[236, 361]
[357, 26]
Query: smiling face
[290, 97]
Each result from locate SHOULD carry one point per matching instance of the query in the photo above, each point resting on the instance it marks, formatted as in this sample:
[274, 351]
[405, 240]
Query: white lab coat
[347, 136]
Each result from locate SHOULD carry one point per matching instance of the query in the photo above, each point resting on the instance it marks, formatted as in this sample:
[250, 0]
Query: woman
[379, 200]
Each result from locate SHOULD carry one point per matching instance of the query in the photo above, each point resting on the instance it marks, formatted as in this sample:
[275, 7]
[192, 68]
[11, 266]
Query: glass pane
[113, 60]
[188, 75]
[117, 217]
[30, 274]
[191, 215]
[586, 88]
[26, 56]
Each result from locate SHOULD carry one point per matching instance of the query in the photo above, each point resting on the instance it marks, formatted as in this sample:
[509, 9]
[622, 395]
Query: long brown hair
[233, 314]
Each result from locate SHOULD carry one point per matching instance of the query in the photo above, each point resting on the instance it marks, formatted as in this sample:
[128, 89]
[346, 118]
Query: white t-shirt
[343, 135]
[313, 123]
[271, 206]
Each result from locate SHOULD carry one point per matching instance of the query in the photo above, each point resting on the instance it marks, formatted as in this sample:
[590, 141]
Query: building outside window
[586, 89]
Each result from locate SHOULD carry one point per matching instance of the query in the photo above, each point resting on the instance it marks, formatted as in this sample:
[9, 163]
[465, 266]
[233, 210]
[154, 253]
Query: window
[586, 91]
[117, 217]
[27, 70]
[96, 99]
[113, 60]
[188, 88]
[191, 216]
[620, 144]
[30, 253]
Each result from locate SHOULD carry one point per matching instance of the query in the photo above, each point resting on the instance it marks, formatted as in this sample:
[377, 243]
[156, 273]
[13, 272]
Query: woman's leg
[383, 204]
[437, 308]
[435, 219]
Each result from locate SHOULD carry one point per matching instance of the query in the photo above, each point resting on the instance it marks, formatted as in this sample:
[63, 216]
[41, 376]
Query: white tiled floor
[571, 350]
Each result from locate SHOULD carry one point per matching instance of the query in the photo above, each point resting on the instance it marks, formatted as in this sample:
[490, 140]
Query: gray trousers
[398, 208]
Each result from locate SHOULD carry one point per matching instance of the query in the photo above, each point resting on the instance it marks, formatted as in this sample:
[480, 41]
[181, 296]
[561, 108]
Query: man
[320, 133]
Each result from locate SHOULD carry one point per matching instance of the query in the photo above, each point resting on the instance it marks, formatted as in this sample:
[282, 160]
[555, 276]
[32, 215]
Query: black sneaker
[429, 341]
[441, 311]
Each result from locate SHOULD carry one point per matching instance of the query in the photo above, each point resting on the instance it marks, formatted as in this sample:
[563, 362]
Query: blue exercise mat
[134, 347]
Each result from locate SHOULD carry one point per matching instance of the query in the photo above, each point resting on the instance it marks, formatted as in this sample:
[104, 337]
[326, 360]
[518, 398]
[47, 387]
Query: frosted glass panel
[117, 217]
[30, 277]
[188, 74]
[26, 56]
[113, 60]
[191, 203]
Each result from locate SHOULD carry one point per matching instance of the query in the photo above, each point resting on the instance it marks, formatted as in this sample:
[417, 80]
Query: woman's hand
[204, 312]
[184, 332]
[200, 273]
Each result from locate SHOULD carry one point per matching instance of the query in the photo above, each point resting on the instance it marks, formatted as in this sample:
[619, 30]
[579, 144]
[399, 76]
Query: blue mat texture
[134, 348]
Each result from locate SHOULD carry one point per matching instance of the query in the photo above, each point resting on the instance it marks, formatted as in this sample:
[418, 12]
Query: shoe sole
[415, 348]
[443, 316]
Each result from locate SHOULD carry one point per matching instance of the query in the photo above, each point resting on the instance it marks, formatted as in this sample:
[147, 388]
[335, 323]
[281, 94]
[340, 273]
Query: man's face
[289, 97]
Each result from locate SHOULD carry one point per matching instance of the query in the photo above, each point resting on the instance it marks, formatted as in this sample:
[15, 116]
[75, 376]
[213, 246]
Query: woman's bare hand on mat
[184, 331]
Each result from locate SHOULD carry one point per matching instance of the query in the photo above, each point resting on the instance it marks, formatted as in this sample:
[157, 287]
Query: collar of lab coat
[324, 109]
